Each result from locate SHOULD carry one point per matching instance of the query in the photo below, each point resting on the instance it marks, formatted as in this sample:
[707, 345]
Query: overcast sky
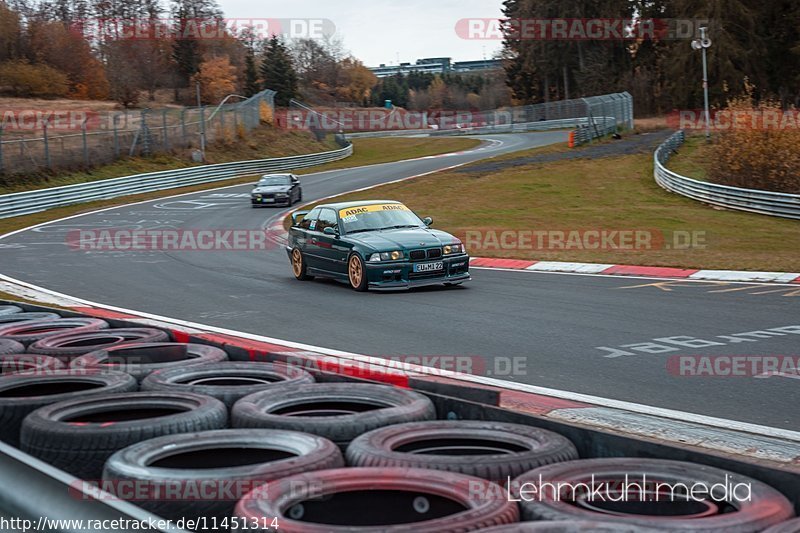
[377, 31]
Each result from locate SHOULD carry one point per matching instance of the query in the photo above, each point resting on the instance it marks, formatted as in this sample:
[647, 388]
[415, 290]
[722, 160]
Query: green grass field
[366, 152]
[610, 193]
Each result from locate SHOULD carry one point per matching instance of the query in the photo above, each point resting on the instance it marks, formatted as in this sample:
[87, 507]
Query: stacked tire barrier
[189, 434]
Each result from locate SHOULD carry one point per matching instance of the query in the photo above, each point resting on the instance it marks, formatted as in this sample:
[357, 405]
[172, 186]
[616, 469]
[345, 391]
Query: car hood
[271, 189]
[403, 239]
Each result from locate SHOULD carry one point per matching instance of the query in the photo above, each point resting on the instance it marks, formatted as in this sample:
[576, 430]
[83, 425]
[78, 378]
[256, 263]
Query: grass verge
[261, 144]
[603, 193]
[692, 158]
[376, 150]
[373, 151]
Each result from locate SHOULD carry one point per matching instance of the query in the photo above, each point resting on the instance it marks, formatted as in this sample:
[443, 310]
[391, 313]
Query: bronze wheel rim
[355, 271]
[297, 263]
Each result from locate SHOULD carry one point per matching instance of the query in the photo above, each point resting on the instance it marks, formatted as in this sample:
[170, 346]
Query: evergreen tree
[278, 73]
[251, 85]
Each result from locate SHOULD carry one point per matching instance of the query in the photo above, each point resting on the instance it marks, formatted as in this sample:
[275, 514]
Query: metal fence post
[85, 143]
[164, 124]
[116, 135]
[183, 127]
[46, 144]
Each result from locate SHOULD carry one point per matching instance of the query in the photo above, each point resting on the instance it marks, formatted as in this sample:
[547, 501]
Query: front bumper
[400, 275]
[269, 201]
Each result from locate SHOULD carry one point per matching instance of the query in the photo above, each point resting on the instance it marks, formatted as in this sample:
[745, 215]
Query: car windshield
[377, 217]
[269, 181]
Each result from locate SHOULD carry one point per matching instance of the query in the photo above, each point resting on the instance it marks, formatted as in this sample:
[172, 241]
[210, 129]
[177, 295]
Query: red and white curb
[638, 271]
[714, 435]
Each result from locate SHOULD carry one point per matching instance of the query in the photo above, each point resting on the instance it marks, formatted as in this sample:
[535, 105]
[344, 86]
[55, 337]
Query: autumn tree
[355, 81]
[217, 78]
[65, 49]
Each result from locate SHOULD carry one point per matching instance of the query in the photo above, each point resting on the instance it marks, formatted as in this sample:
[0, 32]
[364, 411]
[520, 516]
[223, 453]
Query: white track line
[509, 385]
[521, 387]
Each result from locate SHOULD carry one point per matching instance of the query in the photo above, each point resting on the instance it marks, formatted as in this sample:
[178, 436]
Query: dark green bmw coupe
[374, 245]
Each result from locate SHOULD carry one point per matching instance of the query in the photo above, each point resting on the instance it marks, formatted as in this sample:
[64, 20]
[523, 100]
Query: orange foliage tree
[217, 78]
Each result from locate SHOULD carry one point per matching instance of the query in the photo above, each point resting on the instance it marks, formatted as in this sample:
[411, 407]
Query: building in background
[436, 65]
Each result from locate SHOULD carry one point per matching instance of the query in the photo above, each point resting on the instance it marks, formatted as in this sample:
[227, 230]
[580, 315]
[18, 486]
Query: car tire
[227, 381]
[140, 360]
[79, 435]
[376, 499]
[343, 410]
[790, 526]
[31, 331]
[26, 362]
[765, 507]
[571, 526]
[68, 346]
[299, 268]
[357, 273]
[25, 317]
[491, 450]
[8, 346]
[37, 390]
[9, 310]
[241, 459]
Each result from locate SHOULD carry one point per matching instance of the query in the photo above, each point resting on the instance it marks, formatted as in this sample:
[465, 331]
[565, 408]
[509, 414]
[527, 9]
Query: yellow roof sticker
[371, 208]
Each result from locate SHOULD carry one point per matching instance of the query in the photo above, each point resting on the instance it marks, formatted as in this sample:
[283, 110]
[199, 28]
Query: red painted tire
[389, 500]
[766, 506]
[31, 331]
[71, 345]
[26, 362]
[141, 359]
[490, 450]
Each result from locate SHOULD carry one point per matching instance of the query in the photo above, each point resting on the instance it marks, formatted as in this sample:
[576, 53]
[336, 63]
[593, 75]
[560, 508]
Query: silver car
[276, 189]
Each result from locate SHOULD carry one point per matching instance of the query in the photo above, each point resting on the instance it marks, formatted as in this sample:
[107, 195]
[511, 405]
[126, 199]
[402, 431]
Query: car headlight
[395, 255]
[453, 249]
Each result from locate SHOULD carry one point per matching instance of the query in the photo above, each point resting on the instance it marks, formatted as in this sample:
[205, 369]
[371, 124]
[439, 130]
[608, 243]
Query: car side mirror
[427, 221]
[330, 230]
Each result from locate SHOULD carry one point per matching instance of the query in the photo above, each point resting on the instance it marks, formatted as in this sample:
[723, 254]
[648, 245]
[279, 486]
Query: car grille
[430, 253]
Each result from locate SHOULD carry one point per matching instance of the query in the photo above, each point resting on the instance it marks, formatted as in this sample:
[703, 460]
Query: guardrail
[540, 125]
[24, 203]
[753, 200]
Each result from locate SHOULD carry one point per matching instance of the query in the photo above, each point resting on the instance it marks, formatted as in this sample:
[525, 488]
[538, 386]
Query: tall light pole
[703, 43]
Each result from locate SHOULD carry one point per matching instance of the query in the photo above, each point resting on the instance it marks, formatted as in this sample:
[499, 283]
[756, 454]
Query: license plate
[268, 200]
[429, 267]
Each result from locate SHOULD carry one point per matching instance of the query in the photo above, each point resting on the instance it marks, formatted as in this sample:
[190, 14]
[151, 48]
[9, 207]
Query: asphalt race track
[605, 336]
